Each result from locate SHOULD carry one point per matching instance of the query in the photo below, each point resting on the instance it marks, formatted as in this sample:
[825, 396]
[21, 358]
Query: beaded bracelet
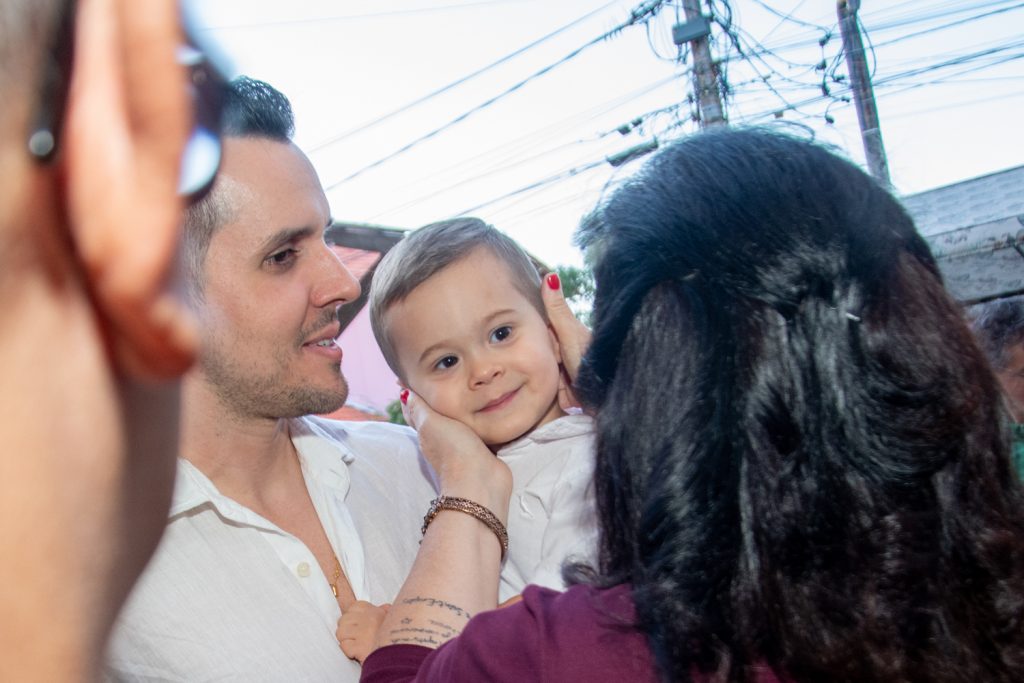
[472, 509]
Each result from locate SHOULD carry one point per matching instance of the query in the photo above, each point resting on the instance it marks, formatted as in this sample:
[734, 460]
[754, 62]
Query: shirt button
[302, 569]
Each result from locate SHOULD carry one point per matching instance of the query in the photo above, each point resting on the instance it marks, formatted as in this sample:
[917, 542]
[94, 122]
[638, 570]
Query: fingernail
[552, 280]
[404, 396]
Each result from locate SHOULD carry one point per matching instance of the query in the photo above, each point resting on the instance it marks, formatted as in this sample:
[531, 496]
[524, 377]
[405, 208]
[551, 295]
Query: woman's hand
[573, 337]
[465, 467]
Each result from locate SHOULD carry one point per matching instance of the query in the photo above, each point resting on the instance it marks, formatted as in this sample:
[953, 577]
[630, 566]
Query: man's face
[1012, 379]
[272, 288]
[477, 350]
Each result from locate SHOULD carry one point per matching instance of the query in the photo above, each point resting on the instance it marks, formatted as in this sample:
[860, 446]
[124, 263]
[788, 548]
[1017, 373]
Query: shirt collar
[323, 455]
[563, 428]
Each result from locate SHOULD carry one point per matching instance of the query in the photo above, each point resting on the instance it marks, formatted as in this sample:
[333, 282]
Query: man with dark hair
[280, 521]
[999, 327]
[93, 340]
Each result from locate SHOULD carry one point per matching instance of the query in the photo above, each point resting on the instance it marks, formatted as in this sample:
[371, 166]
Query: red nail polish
[552, 280]
[404, 396]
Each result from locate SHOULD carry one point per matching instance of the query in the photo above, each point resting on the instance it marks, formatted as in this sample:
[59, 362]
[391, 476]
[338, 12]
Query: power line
[805, 41]
[886, 82]
[352, 17]
[931, 11]
[562, 175]
[613, 179]
[576, 171]
[789, 17]
[760, 51]
[955, 61]
[538, 137]
[500, 216]
[783, 20]
[894, 80]
[406, 107]
[535, 189]
[640, 13]
[521, 161]
[508, 150]
[734, 35]
[952, 24]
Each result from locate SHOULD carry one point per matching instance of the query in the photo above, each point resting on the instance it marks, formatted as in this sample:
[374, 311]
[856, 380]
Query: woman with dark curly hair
[802, 468]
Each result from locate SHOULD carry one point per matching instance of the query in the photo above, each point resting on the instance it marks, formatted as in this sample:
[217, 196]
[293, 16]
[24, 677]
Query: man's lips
[326, 343]
[500, 402]
[329, 334]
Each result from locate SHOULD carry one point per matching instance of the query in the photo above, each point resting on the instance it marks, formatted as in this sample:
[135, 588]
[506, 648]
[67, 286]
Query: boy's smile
[475, 348]
[500, 402]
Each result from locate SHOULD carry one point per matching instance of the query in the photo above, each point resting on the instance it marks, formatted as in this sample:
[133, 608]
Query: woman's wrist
[473, 509]
[493, 496]
[487, 482]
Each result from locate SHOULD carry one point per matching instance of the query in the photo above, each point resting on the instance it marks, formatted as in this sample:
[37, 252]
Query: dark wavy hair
[998, 326]
[802, 456]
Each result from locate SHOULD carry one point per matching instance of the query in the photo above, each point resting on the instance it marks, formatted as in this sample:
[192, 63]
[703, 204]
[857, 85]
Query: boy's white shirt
[551, 516]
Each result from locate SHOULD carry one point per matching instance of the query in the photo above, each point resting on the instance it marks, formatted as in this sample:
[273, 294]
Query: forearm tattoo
[431, 632]
[434, 602]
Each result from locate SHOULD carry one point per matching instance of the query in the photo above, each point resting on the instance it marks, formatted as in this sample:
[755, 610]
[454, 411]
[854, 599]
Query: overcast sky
[949, 78]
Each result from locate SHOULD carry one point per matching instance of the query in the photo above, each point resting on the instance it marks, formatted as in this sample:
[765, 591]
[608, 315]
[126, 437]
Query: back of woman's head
[801, 455]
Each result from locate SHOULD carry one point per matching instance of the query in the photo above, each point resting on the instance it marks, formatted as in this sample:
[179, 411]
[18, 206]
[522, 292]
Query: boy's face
[472, 346]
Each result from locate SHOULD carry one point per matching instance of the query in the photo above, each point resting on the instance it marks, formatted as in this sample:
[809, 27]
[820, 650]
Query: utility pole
[705, 77]
[863, 93]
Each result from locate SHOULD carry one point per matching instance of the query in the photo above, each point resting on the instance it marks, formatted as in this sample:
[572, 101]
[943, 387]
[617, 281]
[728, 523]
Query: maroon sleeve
[578, 635]
[394, 663]
[497, 646]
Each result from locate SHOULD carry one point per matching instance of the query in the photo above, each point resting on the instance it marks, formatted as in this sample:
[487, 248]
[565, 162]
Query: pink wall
[371, 382]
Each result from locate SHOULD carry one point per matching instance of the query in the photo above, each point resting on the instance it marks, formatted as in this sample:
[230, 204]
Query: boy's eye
[501, 334]
[446, 362]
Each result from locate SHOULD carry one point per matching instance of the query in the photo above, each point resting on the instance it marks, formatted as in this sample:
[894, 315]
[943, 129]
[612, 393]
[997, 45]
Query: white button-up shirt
[551, 515]
[229, 596]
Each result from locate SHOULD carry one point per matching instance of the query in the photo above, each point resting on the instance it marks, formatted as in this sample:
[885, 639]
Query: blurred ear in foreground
[130, 124]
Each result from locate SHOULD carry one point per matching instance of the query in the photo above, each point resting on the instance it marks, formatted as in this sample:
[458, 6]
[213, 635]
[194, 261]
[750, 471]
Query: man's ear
[126, 124]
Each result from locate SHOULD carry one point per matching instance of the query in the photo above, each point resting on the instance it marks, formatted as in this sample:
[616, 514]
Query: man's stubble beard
[269, 396]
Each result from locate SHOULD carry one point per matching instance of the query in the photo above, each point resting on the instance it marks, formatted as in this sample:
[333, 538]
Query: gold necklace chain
[333, 583]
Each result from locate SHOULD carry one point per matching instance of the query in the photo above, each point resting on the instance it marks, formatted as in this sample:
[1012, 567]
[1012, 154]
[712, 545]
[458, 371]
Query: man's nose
[334, 284]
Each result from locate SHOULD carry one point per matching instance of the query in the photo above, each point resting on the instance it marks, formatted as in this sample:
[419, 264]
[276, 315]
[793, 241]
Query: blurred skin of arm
[456, 571]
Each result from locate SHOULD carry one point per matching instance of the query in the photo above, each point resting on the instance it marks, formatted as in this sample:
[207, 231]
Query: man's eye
[446, 362]
[283, 257]
[501, 334]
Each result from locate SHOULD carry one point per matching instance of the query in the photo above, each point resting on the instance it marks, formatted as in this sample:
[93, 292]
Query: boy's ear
[126, 124]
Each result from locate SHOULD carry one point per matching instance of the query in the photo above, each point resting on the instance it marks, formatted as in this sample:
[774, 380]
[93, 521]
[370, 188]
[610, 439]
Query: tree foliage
[394, 410]
[578, 287]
